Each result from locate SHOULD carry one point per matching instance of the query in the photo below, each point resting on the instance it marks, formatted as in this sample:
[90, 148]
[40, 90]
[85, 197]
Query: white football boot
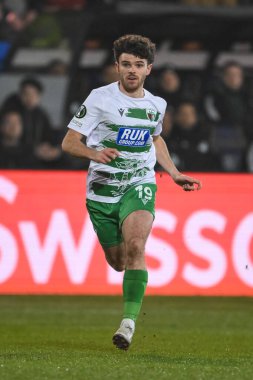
[123, 336]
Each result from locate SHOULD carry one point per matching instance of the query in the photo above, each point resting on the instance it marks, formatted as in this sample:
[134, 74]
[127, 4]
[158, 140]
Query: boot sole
[120, 342]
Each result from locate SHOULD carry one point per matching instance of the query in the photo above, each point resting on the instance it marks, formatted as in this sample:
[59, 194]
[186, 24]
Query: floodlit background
[203, 69]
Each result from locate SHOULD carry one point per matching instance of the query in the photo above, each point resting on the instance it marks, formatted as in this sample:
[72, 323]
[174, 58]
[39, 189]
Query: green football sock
[134, 286]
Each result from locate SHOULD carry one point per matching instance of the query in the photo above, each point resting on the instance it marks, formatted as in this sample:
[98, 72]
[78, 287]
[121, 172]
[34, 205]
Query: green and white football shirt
[109, 118]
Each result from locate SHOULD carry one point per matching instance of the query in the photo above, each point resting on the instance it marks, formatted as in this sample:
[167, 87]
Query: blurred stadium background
[67, 47]
[52, 54]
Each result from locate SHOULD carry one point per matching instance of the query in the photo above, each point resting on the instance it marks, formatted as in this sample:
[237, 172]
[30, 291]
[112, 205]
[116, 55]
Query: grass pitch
[57, 337]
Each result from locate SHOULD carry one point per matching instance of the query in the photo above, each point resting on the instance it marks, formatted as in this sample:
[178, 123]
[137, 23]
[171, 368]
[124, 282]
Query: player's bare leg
[116, 257]
[135, 229]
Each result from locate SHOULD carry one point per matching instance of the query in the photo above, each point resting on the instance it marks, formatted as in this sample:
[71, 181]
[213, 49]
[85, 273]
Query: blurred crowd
[27, 138]
[211, 132]
[208, 124]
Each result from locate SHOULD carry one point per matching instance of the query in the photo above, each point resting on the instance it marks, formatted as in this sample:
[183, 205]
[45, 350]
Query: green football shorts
[107, 218]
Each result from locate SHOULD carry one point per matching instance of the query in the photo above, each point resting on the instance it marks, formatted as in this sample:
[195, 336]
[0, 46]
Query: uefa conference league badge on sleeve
[81, 112]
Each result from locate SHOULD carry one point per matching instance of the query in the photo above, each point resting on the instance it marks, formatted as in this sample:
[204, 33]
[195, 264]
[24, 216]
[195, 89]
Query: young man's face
[132, 71]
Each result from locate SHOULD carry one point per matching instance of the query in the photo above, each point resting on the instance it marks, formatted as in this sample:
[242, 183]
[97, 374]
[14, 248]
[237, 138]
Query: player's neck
[138, 93]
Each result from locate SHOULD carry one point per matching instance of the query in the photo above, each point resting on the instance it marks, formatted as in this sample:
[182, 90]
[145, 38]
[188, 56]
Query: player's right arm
[86, 119]
[73, 145]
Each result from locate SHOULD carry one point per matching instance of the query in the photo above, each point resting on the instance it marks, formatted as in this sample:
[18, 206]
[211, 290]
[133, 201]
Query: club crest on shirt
[151, 114]
[81, 112]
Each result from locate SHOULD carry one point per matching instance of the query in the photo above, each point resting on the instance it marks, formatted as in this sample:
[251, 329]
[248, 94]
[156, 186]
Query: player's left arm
[163, 157]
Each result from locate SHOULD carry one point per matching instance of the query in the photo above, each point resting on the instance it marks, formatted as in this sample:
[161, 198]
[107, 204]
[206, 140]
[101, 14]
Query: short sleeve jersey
[111, 119]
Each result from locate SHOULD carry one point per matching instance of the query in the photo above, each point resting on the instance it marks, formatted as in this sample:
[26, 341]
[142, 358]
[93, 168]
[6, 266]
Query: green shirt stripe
[115, 127]
[134, 149]
[108, 190]
[142, 113]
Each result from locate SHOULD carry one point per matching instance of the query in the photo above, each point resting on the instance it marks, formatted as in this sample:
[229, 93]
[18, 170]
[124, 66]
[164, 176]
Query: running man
[122, 123]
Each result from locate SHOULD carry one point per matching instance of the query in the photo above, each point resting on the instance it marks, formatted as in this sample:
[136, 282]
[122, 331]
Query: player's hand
[187, 183]
[106, 155]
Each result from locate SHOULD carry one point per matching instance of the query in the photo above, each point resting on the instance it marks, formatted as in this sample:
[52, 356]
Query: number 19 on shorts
[144, 192]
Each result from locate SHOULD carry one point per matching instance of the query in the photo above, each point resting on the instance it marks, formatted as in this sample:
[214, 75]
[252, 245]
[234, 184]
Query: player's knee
[119, 267]
[135, 247]
[117, 264]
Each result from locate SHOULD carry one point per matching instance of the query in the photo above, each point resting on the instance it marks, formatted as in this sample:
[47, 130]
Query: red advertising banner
[201, 242]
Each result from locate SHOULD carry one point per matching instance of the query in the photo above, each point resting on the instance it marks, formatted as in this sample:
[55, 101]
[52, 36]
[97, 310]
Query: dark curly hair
[135, 44]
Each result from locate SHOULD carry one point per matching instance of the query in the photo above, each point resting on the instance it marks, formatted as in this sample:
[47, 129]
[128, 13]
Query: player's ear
[149, 68]
[117, 66]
